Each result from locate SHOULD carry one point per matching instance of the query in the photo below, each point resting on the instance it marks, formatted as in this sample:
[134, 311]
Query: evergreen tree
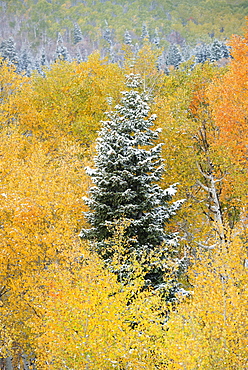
[43, 58]
[61, 52]
[225, 50]
[8, 51]
[145, 33]
[186, 51]
[41, 62]
[25, 63]
[216, 51]
[174, 56]
[128, 167]
[156, 39]
[107, 34]
[113, 57]
[202, 53]
[37, 67]
[127, 38]
[77, 34]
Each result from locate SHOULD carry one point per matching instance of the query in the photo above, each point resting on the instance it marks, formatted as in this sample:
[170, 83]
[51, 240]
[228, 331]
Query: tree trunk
[206, 169]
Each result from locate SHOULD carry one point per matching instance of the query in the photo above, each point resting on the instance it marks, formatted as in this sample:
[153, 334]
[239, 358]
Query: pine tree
[107, 34]
[43, 58]
[113, 57]
[25, 63]
[186, 51]
[225, 50]
[127, 38]
[61, 52]
[156, 39]
[8, 51]
[216, 51]
[77, 34]
[202, 53]
[174, 56]
[128, 167]
[37, 67]
[41, 62]
[145, 33]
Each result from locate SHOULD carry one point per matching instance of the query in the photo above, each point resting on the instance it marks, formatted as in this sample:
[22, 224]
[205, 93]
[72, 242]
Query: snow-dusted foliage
[217, 50]
[107, 34]
[128, 167]
[8, 51]
[174, 56]
[25, 64]
[61, 52]
[145, 33]
[77, 34]
[156, 38]
[127, 38]
[202, 53]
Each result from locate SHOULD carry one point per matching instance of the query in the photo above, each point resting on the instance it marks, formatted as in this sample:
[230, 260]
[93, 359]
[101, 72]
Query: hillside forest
[34, 33]
[62, 306]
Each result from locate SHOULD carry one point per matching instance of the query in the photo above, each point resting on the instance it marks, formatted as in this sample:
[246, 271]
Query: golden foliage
[40, 211]
[209, 330]
[70, 98]
[90, 321]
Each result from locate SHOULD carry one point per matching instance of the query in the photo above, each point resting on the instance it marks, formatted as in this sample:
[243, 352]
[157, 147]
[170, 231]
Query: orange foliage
[228, 98]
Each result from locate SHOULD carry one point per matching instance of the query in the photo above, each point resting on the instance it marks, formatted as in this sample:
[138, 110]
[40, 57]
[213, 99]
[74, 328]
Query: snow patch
[90, 171]
[171, 190]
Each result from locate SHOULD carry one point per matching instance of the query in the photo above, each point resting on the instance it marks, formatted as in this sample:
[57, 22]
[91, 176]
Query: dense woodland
[42, 29]
[61, 305]
[39, 21]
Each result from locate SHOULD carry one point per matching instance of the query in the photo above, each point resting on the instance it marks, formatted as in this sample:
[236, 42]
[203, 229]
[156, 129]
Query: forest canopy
[61, 305]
